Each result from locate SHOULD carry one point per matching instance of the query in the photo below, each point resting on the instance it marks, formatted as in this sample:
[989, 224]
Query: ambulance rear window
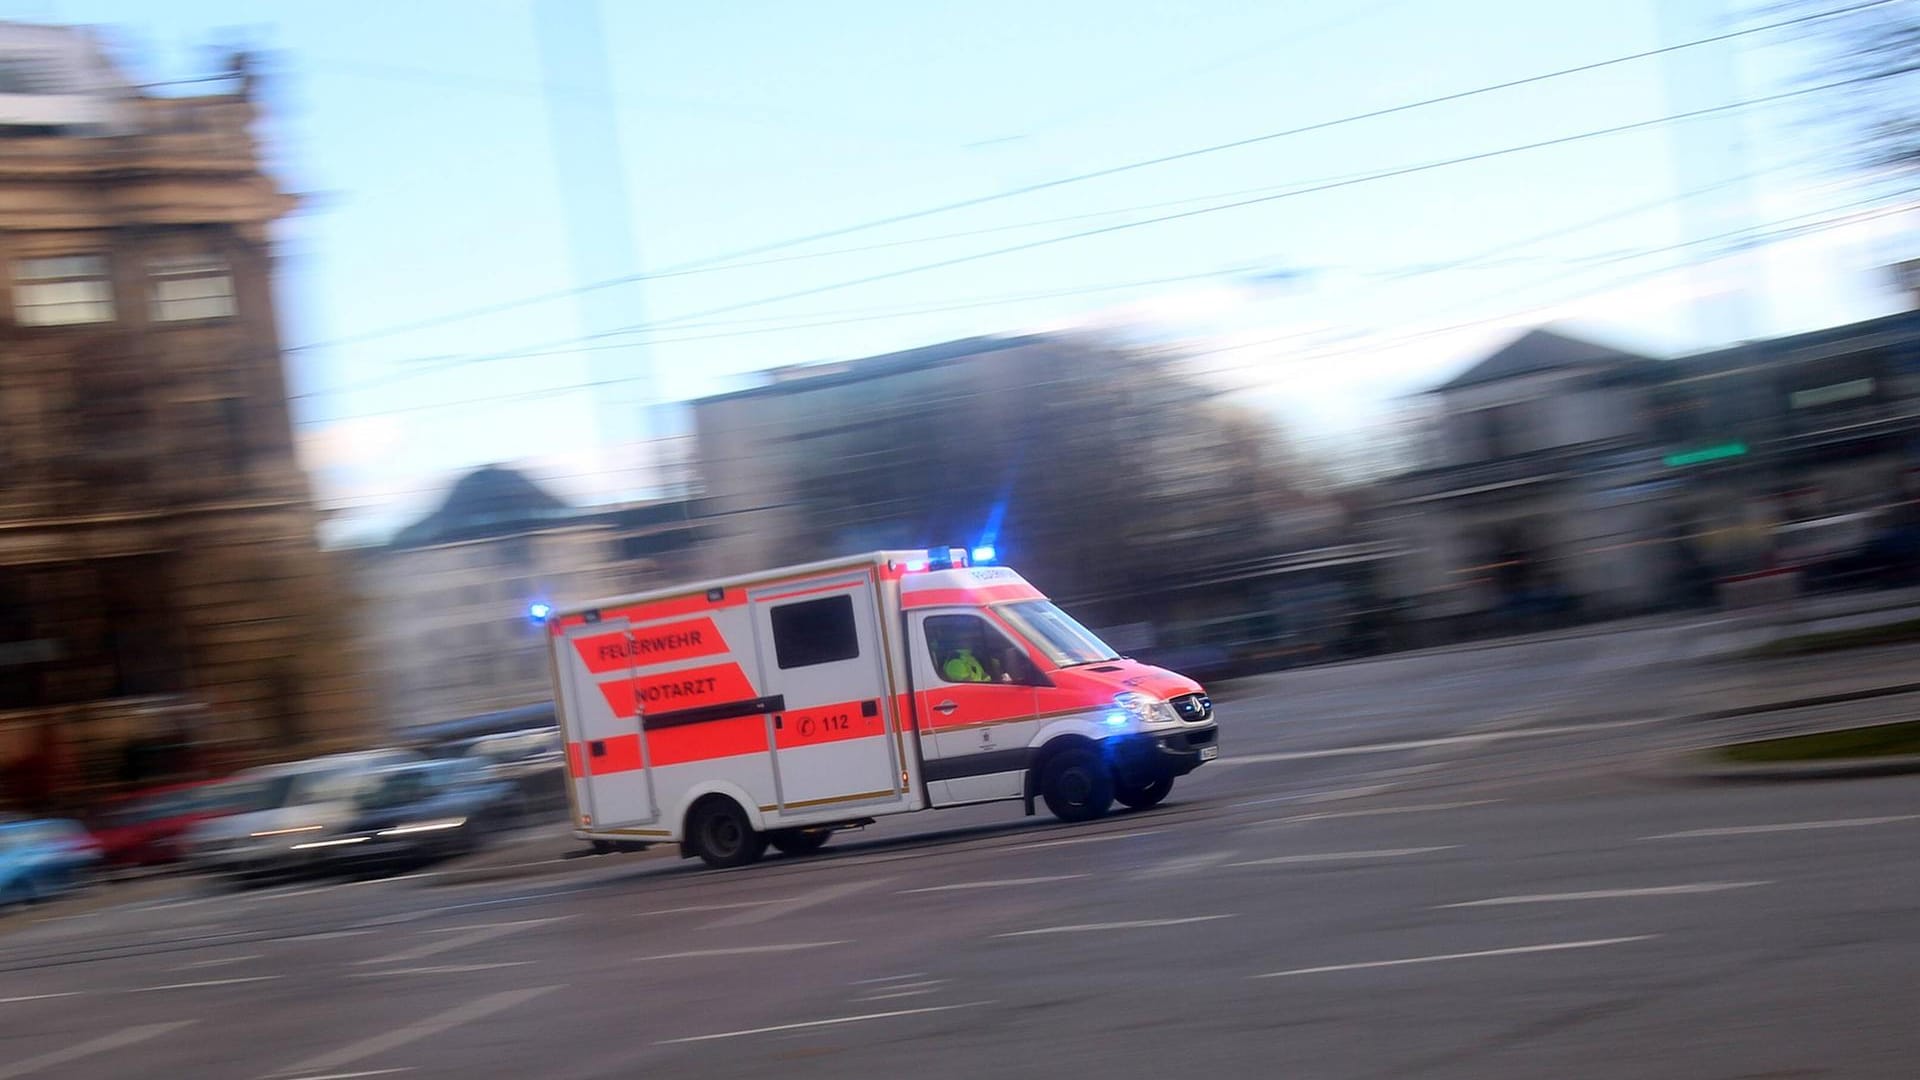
[814, 632]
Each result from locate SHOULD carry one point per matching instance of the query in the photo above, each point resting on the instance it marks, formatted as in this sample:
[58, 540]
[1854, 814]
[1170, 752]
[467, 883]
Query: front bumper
[1148, 757]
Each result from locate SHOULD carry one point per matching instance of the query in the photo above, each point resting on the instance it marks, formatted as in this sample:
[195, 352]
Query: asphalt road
[1452, 865]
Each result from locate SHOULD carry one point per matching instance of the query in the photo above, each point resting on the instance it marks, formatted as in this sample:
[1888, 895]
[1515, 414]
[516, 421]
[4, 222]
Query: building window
[233, 426]
[815, 632]
[70, 290]
[190, 287]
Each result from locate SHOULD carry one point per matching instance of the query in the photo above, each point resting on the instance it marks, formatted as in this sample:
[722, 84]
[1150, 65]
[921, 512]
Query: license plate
[1208, 753]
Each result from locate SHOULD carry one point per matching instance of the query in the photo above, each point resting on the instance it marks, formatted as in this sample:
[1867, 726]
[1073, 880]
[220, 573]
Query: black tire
[1077, 785]
[1144, 797]
[799, 841]
[720, 833]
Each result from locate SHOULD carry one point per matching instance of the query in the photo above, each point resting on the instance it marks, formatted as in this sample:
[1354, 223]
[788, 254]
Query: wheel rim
[1076, 787]
[723, 836]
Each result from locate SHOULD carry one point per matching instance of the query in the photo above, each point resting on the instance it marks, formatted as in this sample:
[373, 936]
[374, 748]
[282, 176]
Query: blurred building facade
[449, 603]
[1564, 479]
[160, 580]
[1523, 450]
[1113, 479]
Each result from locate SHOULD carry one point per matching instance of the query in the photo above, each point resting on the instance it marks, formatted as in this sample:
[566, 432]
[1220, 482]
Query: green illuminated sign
[1706, 454]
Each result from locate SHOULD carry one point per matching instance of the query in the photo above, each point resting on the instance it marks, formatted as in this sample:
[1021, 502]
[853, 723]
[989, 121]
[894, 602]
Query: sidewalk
[1735, 687]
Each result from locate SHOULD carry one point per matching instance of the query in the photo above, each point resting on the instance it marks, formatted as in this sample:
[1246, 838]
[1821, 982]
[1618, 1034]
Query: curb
[1694, 765]
[1840, 697]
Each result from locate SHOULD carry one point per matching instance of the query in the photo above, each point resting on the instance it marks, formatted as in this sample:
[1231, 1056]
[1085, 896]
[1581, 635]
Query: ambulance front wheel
[1077, 785]
[720, 833]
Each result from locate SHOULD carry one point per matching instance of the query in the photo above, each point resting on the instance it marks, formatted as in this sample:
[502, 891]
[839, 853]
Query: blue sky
[419, 133]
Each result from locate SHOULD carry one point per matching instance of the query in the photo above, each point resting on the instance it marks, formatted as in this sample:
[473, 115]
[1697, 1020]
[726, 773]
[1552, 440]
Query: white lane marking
[893, 996]
[1000, 883]
[414, 1032]
[218, 961]
[1425, 744]
[1085, 840]
[1185, 864]
[1316, 796]
[1612, 894]
[101, 1045]
[824, 1023]
[908, 986]
[1557, 946]
[712, 907]
[769, 912]
[1343, 856]
[328, 935]
[443, 969]
[354, 1075]
[473, 935]
[206, 982]
[1381, 811]
[889, 978]
[1133, 924]
[514, 924]
[39, 997]
[744, 950]
[1791, 826]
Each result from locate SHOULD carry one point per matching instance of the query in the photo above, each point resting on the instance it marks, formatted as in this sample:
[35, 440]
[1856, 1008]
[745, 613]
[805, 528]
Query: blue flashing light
[983, 554]
[947, 559]
[1116, 718]
[539, 612]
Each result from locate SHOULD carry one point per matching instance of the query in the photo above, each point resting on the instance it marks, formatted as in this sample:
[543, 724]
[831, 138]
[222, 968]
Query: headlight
[1131, 705]
[424, 826]
[264, 833]
[339, 842]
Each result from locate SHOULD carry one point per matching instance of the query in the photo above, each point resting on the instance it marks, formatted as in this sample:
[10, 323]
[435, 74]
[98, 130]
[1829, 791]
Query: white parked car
[279, 808]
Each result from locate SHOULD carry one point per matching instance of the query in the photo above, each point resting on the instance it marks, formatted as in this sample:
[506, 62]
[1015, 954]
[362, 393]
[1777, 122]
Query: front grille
[1202, 738]
[1193, 708]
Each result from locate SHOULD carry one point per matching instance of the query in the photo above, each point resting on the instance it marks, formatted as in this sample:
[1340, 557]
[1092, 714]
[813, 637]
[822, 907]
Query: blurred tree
[1879, 46]
[1109, 472]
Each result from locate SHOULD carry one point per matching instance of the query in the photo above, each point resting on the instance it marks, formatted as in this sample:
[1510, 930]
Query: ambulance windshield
[1065, 641]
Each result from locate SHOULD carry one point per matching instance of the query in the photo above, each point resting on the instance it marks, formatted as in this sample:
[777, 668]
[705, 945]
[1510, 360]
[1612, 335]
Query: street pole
[585, 134]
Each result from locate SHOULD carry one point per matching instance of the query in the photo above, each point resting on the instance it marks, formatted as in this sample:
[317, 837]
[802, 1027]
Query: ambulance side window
[968, 649]
[814, 632]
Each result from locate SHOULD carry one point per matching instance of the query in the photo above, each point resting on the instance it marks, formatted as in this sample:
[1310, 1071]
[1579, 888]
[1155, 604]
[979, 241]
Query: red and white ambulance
[777, 707]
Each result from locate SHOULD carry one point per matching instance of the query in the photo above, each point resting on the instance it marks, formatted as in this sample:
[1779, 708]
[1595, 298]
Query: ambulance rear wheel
[721, 834]
[1077, 785]
[799, 841]
[1146, 795]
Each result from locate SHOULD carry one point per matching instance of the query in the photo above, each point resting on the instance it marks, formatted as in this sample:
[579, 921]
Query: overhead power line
[589, 342]
[1058, 182]
[1785, 223]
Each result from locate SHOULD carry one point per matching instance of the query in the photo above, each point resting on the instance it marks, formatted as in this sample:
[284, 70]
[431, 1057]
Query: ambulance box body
[775, 707]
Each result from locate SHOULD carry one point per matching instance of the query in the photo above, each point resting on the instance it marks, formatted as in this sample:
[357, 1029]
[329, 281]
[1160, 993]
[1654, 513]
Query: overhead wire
[1057, 182]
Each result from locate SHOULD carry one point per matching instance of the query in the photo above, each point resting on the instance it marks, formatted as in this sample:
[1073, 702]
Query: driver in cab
[970, 653]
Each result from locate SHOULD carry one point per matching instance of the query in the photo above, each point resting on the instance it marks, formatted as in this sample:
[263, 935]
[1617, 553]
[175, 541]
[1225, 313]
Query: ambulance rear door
[606, 746]
[822, 661]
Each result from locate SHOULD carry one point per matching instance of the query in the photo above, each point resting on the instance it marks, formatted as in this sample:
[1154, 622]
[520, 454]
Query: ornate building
[161, 585]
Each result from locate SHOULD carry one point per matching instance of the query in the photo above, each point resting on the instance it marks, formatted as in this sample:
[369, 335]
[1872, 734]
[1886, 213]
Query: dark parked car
[418, 813]
[535, 762]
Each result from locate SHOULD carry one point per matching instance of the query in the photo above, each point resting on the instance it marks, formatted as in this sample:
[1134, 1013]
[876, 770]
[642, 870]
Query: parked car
[534, 762]
[44, 858]
[275, 810]
[418, 813]
[147, 828]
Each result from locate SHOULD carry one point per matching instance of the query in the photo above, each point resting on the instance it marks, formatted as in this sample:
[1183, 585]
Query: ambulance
[776, 708]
